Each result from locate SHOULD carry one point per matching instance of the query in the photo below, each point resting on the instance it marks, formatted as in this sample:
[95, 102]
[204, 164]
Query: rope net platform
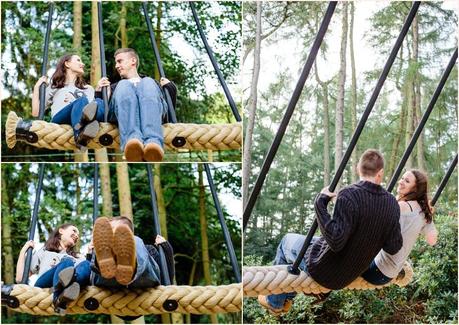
[266, 280]
[133, 302]
[53, 136]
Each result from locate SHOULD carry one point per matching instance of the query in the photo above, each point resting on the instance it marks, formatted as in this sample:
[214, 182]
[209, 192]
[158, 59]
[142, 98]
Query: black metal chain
[211, 55]
[44, 64]
[288, 114]
[226, 234]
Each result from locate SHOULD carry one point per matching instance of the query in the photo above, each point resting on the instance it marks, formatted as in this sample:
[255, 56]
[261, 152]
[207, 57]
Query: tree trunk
[251, 108]
[339, 114]
[79, 156]
[417, 96]
[326, 124]
[124, 190]
[160, 200]
[105, 188]
[7, 247]
[204, 239]
[159, 15]
[355, 155]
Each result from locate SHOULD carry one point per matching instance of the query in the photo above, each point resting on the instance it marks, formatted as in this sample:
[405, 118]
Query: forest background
[75, 30]
[351, 57]
[186, 209]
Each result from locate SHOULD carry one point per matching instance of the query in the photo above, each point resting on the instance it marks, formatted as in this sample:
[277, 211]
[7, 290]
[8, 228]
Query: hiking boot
[88, 115]
[262, 300]
[124, 249]
[103, 243]
[133, 151]
[66, 277]
[86, 134]
[153, 152]
[69, 295]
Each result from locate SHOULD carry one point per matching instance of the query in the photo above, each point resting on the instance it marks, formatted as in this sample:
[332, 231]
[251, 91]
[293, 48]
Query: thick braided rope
[124, 302]
[198, 136]
[264, 280]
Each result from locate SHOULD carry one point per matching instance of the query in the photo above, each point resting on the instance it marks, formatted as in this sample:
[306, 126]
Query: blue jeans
[138, 111]
[147, 274]
[71, 114]
[374, 275]
[287, 252]
[51, 277]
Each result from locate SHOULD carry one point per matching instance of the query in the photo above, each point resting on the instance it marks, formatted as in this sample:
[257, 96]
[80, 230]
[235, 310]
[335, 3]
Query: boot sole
[69, 295]
[65, 278]
[88, 133]
[88, 115]
[153, 152]
[124, 249]
[103, 243]
[133, 150]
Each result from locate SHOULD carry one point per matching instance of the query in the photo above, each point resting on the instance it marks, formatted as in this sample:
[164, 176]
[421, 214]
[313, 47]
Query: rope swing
[131, 302]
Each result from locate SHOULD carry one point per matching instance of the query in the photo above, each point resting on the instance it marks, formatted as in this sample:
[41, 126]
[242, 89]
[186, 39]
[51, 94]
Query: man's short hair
[124, 220]
[370, 163]
[131, 52]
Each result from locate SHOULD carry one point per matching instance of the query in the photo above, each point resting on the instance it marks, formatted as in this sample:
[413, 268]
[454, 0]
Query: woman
[71, 100]
[58, 265]
[415, 218]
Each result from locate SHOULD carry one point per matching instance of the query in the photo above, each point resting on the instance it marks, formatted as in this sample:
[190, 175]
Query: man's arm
[171, 87]
[338, 229]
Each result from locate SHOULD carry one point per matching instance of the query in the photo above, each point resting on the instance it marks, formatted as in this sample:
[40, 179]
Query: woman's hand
[159, 239]
[163, 81]
[103, 82]
[43, 79]
[26, 246]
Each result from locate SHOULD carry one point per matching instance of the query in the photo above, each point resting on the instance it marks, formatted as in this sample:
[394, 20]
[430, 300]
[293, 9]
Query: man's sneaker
[66, 277]
[275, 311]
[124, 249]
[153, 152]
[88, 115]
[86, 134]
[133, 151]
[69, 295]
[103, 243]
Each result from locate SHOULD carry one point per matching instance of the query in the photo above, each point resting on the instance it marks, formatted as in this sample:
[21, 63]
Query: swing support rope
[294, 269]
[165, 279]
[42, 94]
[226, 234]
[423, 121]
[170, 106]
[444, 181]
[33, 225]
[211, 55]
[288, 114]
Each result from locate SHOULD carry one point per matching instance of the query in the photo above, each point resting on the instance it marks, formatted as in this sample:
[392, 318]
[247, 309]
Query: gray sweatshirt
[43, 260]
[58, 98]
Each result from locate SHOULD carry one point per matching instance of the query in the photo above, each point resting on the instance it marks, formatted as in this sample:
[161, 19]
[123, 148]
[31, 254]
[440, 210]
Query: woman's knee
[66, 261]
[81, 100]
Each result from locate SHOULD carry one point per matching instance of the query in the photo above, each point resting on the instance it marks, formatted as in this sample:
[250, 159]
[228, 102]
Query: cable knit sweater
[365, 220]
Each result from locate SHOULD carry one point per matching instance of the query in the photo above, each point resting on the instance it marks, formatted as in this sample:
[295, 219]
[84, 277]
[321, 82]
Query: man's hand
[104, 82]
[327, 192]
[163, 81]
[159, 239]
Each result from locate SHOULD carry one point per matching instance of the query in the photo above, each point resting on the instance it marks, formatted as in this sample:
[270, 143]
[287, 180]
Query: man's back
[365, 220]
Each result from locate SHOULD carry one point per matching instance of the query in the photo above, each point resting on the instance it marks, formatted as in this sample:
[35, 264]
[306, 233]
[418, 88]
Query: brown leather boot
[274, 311]
[153, 152]
[124, 249]
[133, 151]
[103, 243]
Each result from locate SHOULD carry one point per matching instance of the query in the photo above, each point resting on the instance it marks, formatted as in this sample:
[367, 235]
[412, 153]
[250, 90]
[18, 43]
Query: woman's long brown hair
[58, 78]
[419, 194]
[53, 244]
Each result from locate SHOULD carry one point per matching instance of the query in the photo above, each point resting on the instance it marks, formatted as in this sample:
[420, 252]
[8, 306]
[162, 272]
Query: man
[365, 220]
[123, 259]
[138, 105]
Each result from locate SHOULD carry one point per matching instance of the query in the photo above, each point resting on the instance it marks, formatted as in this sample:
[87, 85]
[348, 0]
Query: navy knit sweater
[365, 220]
